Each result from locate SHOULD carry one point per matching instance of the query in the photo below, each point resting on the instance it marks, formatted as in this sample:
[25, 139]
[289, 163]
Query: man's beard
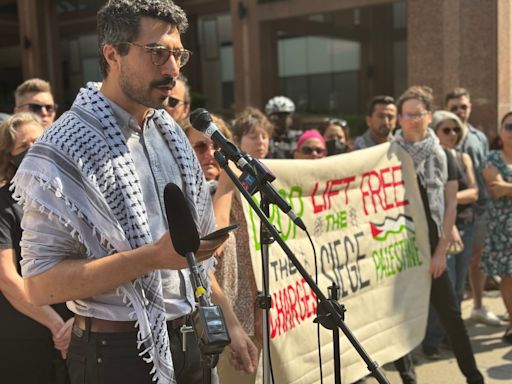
[383, 132]
[143, 95]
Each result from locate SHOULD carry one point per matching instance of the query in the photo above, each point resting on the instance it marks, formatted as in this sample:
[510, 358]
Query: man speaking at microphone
[95, 233]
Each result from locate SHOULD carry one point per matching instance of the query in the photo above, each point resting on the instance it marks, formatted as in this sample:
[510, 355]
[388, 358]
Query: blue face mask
[17, 159]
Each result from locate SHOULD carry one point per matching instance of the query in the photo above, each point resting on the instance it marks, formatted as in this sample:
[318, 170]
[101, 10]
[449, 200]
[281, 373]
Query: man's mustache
[167, 82]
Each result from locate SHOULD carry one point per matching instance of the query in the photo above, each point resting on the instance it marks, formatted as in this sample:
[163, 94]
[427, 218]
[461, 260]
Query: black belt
[93, 324]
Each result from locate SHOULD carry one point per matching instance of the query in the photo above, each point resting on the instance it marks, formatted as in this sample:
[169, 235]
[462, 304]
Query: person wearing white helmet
[279, 110]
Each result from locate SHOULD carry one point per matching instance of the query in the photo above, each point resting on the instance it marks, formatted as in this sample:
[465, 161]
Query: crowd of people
[82, 215]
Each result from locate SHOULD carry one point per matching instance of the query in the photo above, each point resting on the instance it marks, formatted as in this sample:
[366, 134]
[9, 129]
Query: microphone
[201, 120]
[259, 175]
[208, 320]
[184, 236]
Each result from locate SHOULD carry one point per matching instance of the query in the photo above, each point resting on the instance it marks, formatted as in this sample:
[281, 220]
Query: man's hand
[168, 258]
[62, 337]
[244, 354]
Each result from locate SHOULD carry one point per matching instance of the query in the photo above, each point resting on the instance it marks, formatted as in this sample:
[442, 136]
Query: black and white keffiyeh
[430, 164]
[81, 171]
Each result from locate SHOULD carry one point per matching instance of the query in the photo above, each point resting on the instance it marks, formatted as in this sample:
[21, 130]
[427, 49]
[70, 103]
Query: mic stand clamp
[324, 318]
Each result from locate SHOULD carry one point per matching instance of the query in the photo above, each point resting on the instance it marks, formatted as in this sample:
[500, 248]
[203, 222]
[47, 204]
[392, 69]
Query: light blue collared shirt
[47, 241]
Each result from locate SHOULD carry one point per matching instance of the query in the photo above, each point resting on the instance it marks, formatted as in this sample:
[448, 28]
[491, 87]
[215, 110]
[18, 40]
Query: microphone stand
[264, 299]
[325, 320]
[327, 305]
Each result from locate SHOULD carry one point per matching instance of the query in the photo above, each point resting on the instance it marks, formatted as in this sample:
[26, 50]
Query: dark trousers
[442, 298]
[31, 361]
[405, 367]
[113, 358]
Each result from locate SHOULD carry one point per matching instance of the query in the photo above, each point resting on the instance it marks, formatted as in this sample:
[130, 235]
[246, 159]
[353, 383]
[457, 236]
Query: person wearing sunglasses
[178, 103]
[30, 335]
[451, 131]
[311, 145]
[252, 132]
[280, 111]
[497, 255]
[476, 145]
[35, 95]
[205, 148]
[95, 232]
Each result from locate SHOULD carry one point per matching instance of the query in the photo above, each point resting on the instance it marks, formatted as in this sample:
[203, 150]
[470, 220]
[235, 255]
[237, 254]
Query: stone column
[40, 42]
[504, 62]
[463, 43]
[377, 53]
[255, 55]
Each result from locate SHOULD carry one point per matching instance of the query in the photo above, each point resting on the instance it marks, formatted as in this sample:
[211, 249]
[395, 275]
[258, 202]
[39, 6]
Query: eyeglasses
[507, 127]
[309, 150]
[173, 102]
[413, 116]
[201, 147]
[448, 130]
[37, 108]
[455, 108]
[160, 54]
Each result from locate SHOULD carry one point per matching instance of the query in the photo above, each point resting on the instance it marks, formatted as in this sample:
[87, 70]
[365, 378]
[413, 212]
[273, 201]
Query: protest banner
[365, 215]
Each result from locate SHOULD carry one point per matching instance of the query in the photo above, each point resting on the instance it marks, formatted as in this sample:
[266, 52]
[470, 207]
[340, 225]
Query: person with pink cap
[311, 145]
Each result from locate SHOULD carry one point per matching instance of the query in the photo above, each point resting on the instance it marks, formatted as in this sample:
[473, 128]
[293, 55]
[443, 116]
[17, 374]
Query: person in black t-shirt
[451, 131]
[29, 334]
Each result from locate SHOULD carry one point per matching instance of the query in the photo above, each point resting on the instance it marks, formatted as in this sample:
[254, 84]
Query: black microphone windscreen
[200, 119]
[182, 226]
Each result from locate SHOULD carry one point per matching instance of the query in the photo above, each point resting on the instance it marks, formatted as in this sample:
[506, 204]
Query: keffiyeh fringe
[82, 173]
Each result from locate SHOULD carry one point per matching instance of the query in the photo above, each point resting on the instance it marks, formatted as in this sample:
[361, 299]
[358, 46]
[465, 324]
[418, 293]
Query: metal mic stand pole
[327, 305]
[209, 362]
[264, 298]
[325, 319]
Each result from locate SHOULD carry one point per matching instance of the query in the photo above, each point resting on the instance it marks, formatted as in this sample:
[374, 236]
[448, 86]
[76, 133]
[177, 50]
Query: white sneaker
[482, 315]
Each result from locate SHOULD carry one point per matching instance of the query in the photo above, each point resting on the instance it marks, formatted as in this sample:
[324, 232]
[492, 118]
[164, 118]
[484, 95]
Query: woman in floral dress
[497, 253]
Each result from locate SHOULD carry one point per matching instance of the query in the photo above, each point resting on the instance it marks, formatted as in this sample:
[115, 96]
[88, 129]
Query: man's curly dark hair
[119, 22]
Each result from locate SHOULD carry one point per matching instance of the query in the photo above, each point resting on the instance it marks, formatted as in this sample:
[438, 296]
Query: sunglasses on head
[201, 147]
[448, 130]
[339, 122]
[173, 102]
[37, 108]
[455, 108]
[507, 127]
[309, 150]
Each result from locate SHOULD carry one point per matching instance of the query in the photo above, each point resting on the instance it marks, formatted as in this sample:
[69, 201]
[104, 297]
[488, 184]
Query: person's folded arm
[11, 286]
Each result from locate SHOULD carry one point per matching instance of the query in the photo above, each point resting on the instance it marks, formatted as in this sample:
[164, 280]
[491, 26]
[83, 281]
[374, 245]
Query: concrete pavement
[494, 357]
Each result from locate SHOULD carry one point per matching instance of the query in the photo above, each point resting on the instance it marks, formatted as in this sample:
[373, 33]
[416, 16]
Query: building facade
[329, 56]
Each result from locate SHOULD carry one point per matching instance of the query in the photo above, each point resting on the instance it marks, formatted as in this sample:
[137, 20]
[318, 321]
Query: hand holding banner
[365, 212]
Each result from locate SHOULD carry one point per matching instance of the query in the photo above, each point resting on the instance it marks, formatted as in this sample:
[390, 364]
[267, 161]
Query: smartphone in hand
[220, 232]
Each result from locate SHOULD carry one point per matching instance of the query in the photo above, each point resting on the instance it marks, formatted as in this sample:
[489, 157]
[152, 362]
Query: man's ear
[111, 56]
